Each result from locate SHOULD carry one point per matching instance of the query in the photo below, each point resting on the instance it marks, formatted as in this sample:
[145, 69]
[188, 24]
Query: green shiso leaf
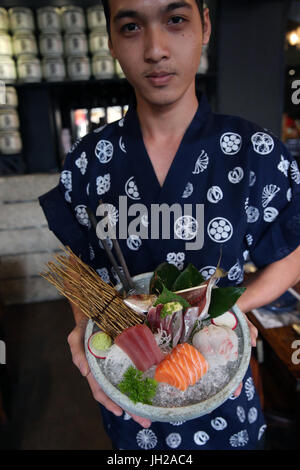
[138, 389]
[167, 296]
[222, 299]
[189, 277]
[164, 275]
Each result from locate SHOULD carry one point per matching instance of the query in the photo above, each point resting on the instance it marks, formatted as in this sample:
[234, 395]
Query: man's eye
[176, 20]
[130, 27]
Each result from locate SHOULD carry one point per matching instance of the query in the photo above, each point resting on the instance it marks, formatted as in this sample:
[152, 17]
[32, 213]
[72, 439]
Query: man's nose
[156, 45]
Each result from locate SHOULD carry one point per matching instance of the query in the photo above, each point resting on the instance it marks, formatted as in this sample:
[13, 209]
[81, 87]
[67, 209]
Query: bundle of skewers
[97, 299]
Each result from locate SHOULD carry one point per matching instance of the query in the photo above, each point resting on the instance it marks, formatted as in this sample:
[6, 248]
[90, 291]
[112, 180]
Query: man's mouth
[159, 78]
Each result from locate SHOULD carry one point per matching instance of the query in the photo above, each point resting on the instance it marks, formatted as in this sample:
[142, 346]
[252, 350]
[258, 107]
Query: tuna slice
[139, 343]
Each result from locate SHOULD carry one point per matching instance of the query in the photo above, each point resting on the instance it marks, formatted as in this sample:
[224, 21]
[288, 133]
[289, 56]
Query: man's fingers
[144, 422]
[238, 390]
[77, 351]
[102, 398]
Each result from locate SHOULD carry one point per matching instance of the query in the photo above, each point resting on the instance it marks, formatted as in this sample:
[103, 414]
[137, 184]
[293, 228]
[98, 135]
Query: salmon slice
[171, 373]
[184, 366]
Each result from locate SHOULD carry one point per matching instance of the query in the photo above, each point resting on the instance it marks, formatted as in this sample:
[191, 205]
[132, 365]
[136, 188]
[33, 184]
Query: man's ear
[206, 27]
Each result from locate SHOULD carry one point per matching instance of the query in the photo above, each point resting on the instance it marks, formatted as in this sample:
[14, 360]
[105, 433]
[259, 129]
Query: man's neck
[161, 123]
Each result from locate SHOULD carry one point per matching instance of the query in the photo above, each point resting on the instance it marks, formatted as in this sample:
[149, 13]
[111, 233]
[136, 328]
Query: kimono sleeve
[66, 218]
[276, 234]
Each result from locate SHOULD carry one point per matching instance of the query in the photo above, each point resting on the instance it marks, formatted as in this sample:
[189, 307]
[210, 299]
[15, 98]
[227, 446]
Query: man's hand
[253, 336]
[76, 342]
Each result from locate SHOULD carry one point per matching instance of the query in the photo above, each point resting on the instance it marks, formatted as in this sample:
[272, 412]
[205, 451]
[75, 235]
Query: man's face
[158, 44]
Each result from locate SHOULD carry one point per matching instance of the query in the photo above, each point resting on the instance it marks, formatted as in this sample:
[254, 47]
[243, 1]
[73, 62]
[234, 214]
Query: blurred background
[57, 83]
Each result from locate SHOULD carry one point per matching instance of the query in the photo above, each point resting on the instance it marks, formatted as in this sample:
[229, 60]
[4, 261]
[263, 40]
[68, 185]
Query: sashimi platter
[187, 353]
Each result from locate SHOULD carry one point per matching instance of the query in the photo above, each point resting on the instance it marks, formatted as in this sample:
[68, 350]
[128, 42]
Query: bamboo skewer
[98, 300]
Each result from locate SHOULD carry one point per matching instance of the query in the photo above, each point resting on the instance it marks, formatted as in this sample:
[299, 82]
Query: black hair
[105, 4]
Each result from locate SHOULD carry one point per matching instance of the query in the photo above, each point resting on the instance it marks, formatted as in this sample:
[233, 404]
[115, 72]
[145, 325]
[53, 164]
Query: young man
[171, 149]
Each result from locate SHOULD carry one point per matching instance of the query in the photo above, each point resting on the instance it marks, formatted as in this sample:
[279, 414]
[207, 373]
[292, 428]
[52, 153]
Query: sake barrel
[54, 69]
[49, 19]
[11, 97]
[4, 21]
[5, 44]
[76, 44]
[79, 68]
[96, 17]
[9, 119]
[98, 41]
[24, 42]
[51, 44]
[73, 19]
[8, 71]
[103, 66]
[10, 142]
[29, 69]
[21, 18]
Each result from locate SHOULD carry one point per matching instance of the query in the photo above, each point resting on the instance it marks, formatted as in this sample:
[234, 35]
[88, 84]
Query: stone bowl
[180, 413]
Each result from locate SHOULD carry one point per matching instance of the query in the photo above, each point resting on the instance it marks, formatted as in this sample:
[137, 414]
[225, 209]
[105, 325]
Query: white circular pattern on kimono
[112, 213]
[121, 122]
[249, 239]
[207, 271]
[236, 175]
[252, 178]
[283, 166]
[75, 145]
[289, 194]
[114, 273]
[220, 230]
[173, 440]
[249, 388]
[66, 179]
[269, 192]
[99, 129]
[177, 259]
[122, 145]
[103, 184]
[295, 172]
[214, 194]
[186, 227]
[246, 255]
[68, 196]
[88, 189]
[82, 215]
[189, 189]
[235, 272]
[252, 415]
[104, 151]
[231, 143]
[176, 423]
[134, 242]
[241, 414]
[246, 203]
[261, 431]
[131, 189]
[252, 214]
[239, 439]
[270, 214]
[126, 416]
[232, 397]
[201, 438]
[262, 143]
[146, 439]
[103, 273]
[219, 423]
[108, 242]
[201, 163]
[82, 163]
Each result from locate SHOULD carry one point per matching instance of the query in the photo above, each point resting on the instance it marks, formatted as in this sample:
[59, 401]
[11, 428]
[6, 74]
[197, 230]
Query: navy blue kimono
[246, 187]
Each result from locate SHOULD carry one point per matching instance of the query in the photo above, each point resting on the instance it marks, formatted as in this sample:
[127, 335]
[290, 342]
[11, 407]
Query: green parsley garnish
[136, 387]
